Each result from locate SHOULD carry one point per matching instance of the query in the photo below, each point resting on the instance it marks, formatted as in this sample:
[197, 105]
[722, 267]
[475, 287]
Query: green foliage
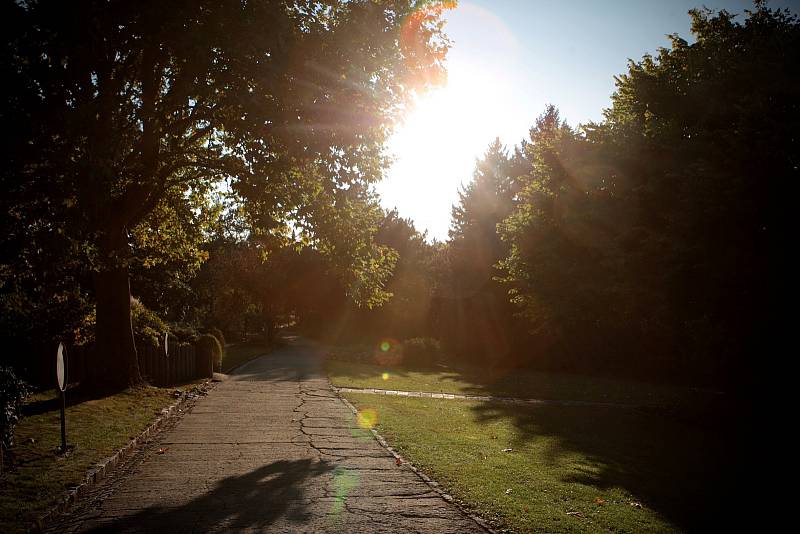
[209, 344]
[641, 244]
[184, 333]
[421, 351]
[473, 313]
[217, 333]
[13, 393]
[407, 312]
[133, 117]
[148, 327]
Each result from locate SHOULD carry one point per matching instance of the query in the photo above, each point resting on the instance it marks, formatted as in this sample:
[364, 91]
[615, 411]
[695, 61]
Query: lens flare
[359, 434]
[388, 352]
[344, 480]
[385, 376]
[367, 418]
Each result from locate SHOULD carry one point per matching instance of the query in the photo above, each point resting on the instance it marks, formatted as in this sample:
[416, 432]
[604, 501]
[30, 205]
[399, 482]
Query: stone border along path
[107, 467]
[456, 396]
[271, 449]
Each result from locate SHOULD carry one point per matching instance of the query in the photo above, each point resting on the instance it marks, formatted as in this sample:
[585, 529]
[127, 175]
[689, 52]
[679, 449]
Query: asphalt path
[270, 449]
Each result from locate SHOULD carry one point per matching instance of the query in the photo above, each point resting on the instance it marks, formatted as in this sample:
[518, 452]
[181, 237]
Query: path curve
[272, 449]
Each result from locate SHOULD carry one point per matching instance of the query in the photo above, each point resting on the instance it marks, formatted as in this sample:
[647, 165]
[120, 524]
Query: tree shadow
[253, 500]
[297, 359]
[75, 395]
[687, 470]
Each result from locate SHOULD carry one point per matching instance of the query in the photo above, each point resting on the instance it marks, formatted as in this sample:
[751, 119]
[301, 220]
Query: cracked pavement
[270, 449]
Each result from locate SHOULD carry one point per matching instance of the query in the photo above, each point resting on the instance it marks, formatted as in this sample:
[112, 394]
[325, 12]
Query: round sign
[61, 367]
[166, 344]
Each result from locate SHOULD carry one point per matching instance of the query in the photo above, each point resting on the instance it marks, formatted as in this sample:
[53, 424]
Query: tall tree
[645, 241]
[123, 108]
[480, 320]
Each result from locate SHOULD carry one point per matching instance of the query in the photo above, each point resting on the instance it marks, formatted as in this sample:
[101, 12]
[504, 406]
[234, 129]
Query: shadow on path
[253, 500]
[297, 360]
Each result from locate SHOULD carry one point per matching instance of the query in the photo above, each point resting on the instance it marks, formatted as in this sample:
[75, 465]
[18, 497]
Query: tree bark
[116, 363]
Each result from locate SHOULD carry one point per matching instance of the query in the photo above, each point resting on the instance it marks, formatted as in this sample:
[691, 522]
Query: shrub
[421, 351]
[13, 393]
[185, 333]
[217, 333]
[148, 327]
[207, 343]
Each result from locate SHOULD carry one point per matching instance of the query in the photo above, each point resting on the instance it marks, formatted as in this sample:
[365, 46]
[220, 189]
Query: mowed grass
[570, 469]
[96, 428]
[512, 383]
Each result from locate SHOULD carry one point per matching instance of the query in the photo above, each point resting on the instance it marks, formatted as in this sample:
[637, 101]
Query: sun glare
[436, 146]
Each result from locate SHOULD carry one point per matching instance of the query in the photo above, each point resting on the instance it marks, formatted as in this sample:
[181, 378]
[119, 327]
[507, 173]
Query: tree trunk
[116, 364]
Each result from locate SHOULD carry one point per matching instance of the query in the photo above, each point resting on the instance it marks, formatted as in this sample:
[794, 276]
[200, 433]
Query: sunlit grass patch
[561, 469]
[96, 428]
[510, 383]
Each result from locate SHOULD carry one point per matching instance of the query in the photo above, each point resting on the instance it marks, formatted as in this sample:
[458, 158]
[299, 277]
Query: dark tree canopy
[644, 242]
[127, 113]
[220, 156]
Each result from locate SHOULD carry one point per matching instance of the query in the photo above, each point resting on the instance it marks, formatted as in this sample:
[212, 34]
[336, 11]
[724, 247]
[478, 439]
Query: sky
[508, 60]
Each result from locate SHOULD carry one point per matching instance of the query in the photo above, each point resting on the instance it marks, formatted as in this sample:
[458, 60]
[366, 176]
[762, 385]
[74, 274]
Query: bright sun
[445, 121]
[436, 146]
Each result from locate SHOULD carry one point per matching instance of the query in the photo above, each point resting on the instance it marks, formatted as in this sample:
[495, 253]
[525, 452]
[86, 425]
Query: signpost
[166, 356]
[61, 382]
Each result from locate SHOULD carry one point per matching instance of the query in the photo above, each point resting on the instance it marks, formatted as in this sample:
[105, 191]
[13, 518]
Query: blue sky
[508, 60]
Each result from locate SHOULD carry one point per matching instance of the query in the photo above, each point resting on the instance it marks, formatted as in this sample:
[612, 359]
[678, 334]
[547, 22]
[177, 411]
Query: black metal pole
[63, 423]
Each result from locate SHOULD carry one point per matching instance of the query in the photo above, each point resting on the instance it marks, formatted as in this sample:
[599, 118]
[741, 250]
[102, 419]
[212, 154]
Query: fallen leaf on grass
[599, 501]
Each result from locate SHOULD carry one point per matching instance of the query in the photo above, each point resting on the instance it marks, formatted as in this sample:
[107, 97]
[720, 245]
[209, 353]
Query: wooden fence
[179, 364]
[182, 363]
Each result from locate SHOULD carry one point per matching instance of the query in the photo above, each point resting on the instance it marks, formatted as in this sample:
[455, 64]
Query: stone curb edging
[241, 365]
[425, 478]
[268, 351]
[490, 398]
[105, 467]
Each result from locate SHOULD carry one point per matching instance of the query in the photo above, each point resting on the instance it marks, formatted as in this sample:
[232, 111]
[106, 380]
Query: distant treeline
[642, 245]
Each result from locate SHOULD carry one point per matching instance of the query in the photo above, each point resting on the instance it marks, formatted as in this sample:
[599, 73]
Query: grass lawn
[95, 427]
[239, 353]
[571, 469]
[510, 383]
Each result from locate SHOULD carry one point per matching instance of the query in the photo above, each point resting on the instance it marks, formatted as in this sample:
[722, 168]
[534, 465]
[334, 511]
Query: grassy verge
[511, 383]
[236, 355]
[95, 427]
[570, 469]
